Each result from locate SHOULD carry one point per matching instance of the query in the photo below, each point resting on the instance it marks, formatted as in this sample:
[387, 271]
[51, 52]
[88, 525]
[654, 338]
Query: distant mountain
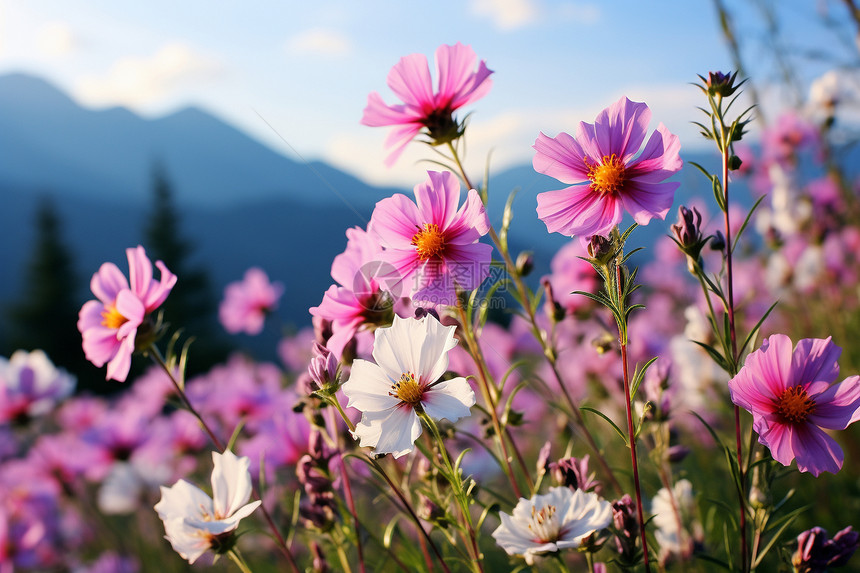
[51, 143]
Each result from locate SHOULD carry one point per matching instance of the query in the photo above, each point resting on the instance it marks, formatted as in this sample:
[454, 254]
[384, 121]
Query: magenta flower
[246, 303]
[109, 325]
[606, 174]
[423, 108]
[362, 295]
[792, 398]
[432, 246]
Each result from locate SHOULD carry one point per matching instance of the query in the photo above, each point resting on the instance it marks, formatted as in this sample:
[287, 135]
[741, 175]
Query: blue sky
[302, 70]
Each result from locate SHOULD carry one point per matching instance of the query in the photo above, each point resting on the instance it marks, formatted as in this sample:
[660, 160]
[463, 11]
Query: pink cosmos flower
[109, 325]
[363, 293]
[793, 400]
[607, 172]
[422, 108]
[432, 246]
[246, 303]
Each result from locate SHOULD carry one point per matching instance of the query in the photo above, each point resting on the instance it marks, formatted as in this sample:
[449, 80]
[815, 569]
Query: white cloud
[137, 82]
[56, 39]
[319, 41]
[507, 14]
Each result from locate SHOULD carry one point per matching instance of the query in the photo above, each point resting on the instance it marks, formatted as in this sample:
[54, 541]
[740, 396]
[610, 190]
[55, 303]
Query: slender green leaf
[746, 222]
[611, 423]
[639, 375]
[755, 329]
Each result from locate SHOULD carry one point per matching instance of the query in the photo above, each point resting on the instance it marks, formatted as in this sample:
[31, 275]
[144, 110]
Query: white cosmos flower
[411, 355]
[195, 522]
[559, 519]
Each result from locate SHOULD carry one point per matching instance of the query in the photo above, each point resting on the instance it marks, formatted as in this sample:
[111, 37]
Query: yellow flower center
[407, 390]
[429, 242]
[606, 177]
[794, 406]
[112, 318]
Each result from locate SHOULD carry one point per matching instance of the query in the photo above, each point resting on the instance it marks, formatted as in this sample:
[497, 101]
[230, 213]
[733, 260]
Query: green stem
[455, 481]
[487, 394]
[237, 559]
[726, 147]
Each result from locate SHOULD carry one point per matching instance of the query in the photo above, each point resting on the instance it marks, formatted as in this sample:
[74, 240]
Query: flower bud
[525, 263]
[323, 368]
[688, 230]
[573, 473]
[600, 249]
[552, 308]
[320, 564]
[626, 526]
[421, 312]
[735, 163]
[815, 552]
[844, 545]
[428, 510]
[718, 242]
[720, 84]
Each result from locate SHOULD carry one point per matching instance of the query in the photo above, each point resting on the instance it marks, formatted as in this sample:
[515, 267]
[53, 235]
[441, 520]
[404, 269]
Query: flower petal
[561, 158]
[368, 387]
[451, 400]
[392, 431]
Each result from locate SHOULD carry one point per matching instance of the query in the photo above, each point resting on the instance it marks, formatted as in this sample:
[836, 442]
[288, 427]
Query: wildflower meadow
[684, 403]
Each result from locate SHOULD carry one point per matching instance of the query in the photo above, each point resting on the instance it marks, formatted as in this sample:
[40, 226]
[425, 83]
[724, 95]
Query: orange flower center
[407, 390]
[607, 176]
[429, 242]
[112, 318]
[794, 406]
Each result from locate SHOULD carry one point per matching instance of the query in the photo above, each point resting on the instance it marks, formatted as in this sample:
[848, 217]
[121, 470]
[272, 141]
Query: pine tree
[190, 305]
[46, 315]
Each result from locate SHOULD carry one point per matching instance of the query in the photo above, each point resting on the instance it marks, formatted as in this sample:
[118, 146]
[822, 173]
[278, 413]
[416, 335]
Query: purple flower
[30, 385]
[607, 172]
[792, 398]
[816, 553]
[432, 246]
[247, 303]
[423, 108]
[109, 325]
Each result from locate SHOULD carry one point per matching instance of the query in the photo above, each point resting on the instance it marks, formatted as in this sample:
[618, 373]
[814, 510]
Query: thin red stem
[631, 432]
